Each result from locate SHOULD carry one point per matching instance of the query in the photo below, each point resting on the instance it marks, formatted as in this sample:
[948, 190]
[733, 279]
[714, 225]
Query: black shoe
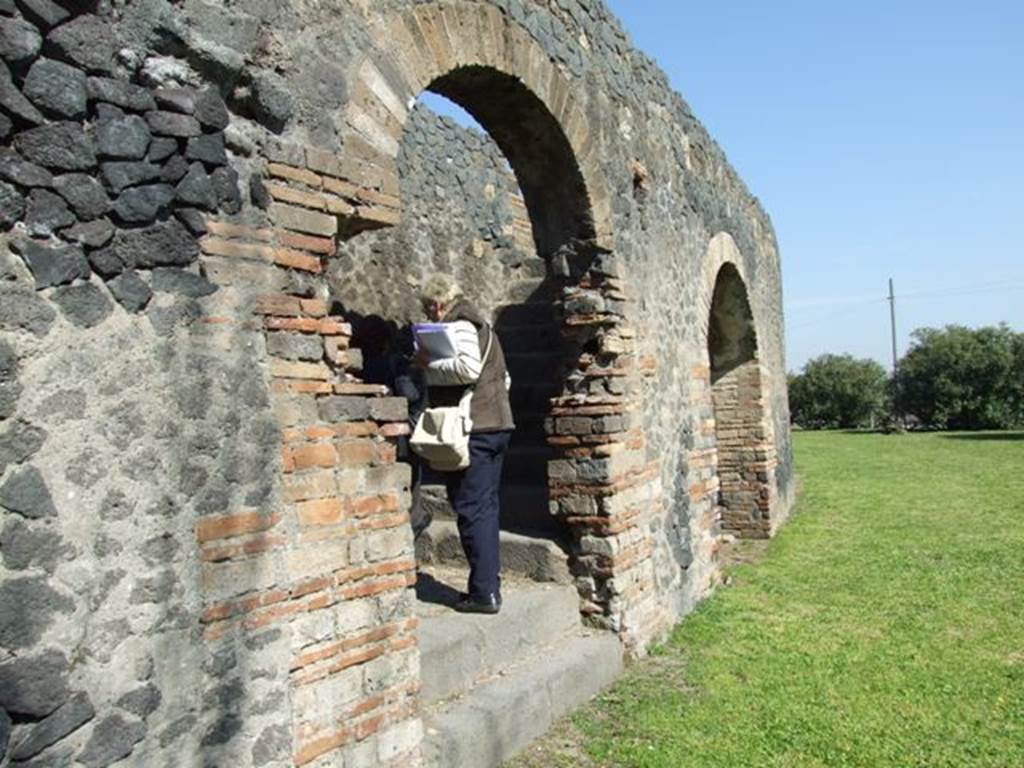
[490, 603]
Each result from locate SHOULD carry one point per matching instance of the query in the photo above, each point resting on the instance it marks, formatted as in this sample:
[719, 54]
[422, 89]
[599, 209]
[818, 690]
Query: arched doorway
[741, 439]
[452, 222]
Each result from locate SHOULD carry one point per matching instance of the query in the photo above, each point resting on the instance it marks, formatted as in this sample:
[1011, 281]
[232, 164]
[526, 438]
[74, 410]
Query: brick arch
[735, 380]
[442, 46]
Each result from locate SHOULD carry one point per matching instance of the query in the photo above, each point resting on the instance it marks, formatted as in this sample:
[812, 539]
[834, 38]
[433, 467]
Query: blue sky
[884, 139]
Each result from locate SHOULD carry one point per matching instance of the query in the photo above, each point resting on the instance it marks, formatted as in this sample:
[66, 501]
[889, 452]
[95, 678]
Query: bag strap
[487, 351]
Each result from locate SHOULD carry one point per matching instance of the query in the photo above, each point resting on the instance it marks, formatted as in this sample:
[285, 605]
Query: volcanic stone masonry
[206, 557]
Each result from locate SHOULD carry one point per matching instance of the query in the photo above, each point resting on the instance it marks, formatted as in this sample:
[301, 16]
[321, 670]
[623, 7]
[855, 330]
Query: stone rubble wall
[204, 552]
[462, 215]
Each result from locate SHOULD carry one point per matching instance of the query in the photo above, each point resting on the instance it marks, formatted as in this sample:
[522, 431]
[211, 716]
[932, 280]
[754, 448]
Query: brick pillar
[745, 452]
[601, 482]
[325, 577]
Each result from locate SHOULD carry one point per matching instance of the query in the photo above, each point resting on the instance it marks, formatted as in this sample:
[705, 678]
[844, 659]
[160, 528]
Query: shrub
[964, 378]
[837, 391]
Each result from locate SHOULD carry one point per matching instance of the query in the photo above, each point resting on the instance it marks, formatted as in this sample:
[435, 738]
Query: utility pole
[892, 317]
[895, 359]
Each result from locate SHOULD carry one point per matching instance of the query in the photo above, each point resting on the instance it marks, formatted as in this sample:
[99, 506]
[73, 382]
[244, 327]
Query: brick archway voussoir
[430, 40]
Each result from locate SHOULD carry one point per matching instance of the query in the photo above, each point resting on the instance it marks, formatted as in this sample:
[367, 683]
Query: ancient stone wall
[205, 552]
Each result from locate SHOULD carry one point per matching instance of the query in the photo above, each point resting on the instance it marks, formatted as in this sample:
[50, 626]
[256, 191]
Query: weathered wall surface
[205, 560]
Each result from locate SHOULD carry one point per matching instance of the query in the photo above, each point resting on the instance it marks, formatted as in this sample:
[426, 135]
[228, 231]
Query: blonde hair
[440, 288]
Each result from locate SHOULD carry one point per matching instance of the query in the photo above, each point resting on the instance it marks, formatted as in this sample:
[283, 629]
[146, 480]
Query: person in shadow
[387, 356]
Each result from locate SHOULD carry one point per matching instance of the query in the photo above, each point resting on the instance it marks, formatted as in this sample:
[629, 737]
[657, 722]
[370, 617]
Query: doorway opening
[737, 394]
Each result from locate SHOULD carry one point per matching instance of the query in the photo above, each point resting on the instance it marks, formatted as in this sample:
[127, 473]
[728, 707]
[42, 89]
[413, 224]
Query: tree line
[950, 378]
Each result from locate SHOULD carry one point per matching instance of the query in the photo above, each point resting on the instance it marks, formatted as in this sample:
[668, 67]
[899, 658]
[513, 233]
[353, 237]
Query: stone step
[458, 649]
[536, 558]
[500, 717]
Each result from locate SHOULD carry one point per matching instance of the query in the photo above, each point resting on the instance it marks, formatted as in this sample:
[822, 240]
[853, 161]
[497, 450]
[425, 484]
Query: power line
[931, 293]
[835, 315]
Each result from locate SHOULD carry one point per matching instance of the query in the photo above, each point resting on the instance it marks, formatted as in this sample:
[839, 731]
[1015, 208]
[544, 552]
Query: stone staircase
[493, 684]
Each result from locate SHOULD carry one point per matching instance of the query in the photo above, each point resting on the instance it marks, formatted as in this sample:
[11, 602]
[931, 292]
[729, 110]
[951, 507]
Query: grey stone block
[8, 363]
[121, 93]
[273, 744]
[174, 169]
[5, 733]
[121, 175]
[56, 88]
[141, 205]
[130, 291]
[233, 28]
[72, 715]
[196, 188]
[19, 171]
[176, 99]
[45, 13]
[123, 137]
[225, 728]
[12, 206]
[271, 100]
[208, 149]
[23, 545]
[343, 408]
[18, 442]
[142, 702]
[58, 146]
[47, 212]
[210, 110]
[25, 493]
[34, 685]
[93, 234]
[161, 148]
[85, 305]
[194, 219]
[52, 266]
[389, 409]
[225, 183]
[89, 42]
[19, 40]
[113, 739]
[165, 244]
[106, 262]
[14, 102]
[28, 607]
[84, 193]
[295, 346]
[165, 123]
[24, 310]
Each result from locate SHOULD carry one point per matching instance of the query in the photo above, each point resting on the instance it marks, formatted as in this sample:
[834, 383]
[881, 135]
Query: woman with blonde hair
[473, 492]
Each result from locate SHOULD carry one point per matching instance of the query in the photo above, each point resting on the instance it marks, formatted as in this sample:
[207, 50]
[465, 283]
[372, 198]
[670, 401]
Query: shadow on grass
[997, 436]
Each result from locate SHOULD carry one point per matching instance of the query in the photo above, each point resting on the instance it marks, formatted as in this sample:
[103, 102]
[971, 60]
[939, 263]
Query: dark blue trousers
[473, 494]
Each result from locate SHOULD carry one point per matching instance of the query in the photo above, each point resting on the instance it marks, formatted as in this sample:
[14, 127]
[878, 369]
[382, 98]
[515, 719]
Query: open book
[436, 339]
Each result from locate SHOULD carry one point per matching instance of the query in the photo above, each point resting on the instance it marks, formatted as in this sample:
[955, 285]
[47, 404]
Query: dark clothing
[473, 494]
[489, 407]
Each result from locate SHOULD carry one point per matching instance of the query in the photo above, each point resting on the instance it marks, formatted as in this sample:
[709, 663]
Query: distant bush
[838, 391]
[964, 378]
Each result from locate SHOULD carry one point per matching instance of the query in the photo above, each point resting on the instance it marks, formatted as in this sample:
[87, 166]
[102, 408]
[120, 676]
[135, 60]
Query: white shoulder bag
[441, 435]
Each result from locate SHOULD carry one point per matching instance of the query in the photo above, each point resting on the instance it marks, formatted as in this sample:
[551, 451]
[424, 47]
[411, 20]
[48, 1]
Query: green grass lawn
[884, 626]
